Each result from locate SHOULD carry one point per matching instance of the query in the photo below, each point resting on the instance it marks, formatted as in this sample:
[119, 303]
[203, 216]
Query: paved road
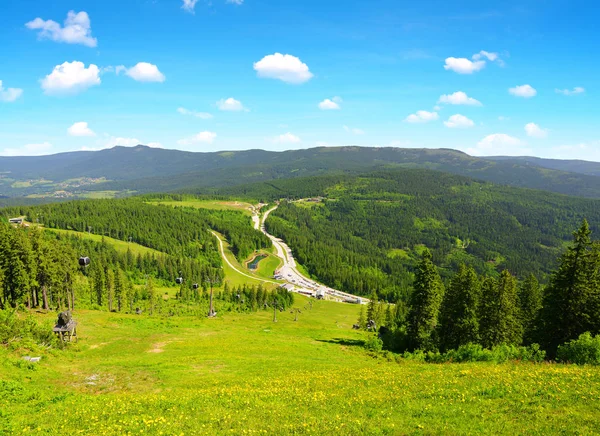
[296, 281]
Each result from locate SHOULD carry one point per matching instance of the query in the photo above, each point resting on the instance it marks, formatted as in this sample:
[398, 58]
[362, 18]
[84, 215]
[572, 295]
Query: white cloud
[503, 118]
[201, 115]
[485, 54]
[499, 144]
[525, 91]
[422, 117]
[459, 98]
[235, 2]
[142, 72]
[437, 108]
[286, 68]
[77, 29]
[287, 138]
[28, 150]
[189, 5]
[535, 131]
[70, 78]
[202, 137]
[230, 104]
[354, 131]
[459, 121]
[574, 91]
[122, 142]
[333, 104]
[463, 65]
[80, 129]
[10, 94]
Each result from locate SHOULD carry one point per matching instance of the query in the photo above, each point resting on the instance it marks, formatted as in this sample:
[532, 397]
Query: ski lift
[195, 286]
[179, 280]
[84, 261]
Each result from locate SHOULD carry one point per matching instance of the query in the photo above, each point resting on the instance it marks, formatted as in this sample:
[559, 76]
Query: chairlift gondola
[179, 280]
[84, 261]
[195, 286]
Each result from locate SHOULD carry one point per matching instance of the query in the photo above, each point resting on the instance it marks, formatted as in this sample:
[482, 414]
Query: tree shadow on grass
[344, 341]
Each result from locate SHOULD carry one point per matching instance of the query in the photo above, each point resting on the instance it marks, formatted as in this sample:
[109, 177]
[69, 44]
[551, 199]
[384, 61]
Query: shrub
[25, 332]
[584, 350]
[476, 353]
[373, 343]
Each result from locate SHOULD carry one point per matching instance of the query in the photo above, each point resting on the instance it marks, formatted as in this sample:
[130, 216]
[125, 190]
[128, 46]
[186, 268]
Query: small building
[16, 221]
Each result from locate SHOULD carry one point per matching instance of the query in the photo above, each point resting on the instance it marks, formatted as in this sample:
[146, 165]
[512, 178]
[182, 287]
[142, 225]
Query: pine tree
[530, 303]
[571, 300]
[389, 317]
[151, 294]
[362, 322]
[372, 307]
[459, 320]
[426, 300]
[499, 312]
[110, 288]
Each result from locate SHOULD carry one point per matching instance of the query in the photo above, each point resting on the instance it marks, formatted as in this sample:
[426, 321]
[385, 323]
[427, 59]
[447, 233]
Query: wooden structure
[66, 332]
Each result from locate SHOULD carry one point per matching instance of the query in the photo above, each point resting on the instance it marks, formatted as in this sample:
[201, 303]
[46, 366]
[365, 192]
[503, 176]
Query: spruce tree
[530, 303]
[362, 322]
[372, 307]
[459, 320]
[571, 300]
[426, 300]
[499, 312]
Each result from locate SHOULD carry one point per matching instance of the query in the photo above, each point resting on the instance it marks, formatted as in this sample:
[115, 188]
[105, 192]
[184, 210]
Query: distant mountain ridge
[145, 169]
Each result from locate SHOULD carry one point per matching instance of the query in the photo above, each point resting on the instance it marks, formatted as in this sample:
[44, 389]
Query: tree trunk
[45, 297]
[34, 293]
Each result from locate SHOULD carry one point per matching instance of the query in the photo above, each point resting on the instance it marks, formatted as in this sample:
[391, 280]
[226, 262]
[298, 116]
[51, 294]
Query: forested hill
[369, 230]
[573, 166]
[143, 169]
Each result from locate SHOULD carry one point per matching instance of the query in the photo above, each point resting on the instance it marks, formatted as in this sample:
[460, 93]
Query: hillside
[120, 170]
[369, 230]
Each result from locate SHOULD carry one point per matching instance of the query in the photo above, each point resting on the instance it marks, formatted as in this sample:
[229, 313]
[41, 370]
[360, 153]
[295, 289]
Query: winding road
[294, 280]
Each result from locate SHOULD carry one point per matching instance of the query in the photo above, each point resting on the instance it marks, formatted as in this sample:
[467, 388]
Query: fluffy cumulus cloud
[28, 150]
[525, 91]
[330, 104]
[463, 65]
[76, 30]
[286, 68]
[459, 121]
[499, 144]
[476, 63]
[569, 92]
[354, 130]
[535, 131]
[80, 129]
[199, 138]
[421, 117]
[70, 78]
[584, 150]
[287, 138]
[230, 104]
[201, 115]
[189, 5]
[142, 72]
[459, 98]
[10, 94]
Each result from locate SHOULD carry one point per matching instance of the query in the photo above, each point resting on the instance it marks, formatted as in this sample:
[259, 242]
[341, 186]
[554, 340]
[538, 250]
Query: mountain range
[143, 169]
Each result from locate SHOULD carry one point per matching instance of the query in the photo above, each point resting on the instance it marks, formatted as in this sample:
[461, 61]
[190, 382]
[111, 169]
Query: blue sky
[240, 74]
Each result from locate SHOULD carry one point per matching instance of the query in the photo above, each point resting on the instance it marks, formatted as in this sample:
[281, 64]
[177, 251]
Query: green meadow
[244, 374]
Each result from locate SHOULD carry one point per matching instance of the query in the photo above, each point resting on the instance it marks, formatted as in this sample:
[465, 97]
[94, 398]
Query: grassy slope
[211, 204]
[119, 245]
[243, 373]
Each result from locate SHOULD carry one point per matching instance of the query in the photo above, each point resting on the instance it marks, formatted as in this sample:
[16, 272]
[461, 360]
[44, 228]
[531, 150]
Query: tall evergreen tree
[372, 307]
[571, 300]
[499, 312]
[425, 305]
[459, 320]
[530, 303]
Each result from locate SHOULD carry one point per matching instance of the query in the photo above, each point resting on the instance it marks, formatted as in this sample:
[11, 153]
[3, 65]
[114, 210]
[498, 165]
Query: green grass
[240, 206]
[234, 278]
[268, 266]
[119, 245]
[244, 374]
